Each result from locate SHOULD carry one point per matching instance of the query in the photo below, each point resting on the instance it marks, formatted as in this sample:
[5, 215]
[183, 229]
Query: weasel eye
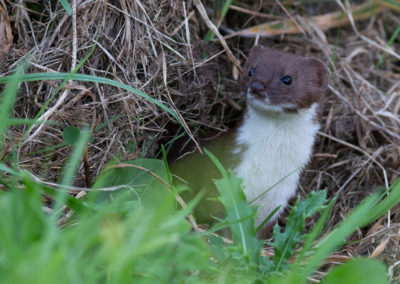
[287, 80]
[252, 71]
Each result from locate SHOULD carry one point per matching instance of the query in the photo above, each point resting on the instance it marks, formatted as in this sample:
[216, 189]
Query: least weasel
[284, 94]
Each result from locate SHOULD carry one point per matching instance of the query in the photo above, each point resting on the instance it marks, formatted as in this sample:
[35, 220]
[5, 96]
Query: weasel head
[275, 81]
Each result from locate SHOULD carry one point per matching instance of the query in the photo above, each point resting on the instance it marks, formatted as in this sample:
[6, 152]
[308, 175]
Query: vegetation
[142, 235]
[129, 224]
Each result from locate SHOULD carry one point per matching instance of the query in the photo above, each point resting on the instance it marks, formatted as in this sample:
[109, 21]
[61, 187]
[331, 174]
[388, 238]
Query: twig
[291, 17]
[327, 21]
[74, 37]
[214, 29]
[379, 7]
[257, 14]
[75, 188]
[360, 150]
[373, 123]
[390, 270]
[188, 131]
[45, 116]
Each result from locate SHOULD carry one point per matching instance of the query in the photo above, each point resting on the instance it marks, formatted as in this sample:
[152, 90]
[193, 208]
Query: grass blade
[338, 235]
[7, 102]
[386, 204]
[70, 169]
[86, 78]
[66, 6]
[224, 10]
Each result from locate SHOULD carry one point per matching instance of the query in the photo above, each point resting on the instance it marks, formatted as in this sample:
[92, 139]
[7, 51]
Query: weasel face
[281, 82]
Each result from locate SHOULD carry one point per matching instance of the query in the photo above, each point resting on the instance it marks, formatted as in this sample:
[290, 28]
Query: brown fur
[309, 77]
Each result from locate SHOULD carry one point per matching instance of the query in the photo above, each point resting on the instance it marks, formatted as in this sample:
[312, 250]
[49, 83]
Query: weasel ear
[319, 72]
[255, 49]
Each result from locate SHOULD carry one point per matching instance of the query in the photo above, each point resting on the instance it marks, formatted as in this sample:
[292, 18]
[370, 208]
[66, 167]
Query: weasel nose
[256, 87]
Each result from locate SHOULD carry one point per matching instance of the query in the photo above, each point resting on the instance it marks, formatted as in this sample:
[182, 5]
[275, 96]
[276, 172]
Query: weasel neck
[260, 127]
[273, 148]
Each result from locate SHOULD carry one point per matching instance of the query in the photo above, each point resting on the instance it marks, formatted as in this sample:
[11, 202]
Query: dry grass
[156, 46]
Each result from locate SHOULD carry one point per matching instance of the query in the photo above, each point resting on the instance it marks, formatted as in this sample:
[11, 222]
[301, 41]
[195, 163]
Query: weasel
[284, 94]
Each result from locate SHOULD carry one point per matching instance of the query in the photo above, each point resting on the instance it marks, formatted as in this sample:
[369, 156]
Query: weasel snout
[257, 90]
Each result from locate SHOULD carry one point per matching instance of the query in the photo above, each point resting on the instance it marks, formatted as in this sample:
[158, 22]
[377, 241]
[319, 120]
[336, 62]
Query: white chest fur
[274, 147]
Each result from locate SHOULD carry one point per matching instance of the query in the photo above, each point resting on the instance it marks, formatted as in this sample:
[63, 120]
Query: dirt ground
[157, 47]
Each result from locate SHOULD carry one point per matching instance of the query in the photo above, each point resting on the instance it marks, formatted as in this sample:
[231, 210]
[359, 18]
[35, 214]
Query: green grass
[137, 238]
[66, 6]
[140, 234]
[389, 44]
[221, 10]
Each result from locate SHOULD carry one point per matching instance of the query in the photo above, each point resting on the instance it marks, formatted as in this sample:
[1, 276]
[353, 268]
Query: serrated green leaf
[316, 231]
[285, 242]
[239, 214]
[217, 247]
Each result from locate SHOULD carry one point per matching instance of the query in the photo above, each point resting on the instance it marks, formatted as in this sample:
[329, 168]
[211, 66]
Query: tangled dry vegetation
[156, 46]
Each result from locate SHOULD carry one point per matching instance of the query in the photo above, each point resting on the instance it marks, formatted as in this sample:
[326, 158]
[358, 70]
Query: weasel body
[284, 95]
[273, 152]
